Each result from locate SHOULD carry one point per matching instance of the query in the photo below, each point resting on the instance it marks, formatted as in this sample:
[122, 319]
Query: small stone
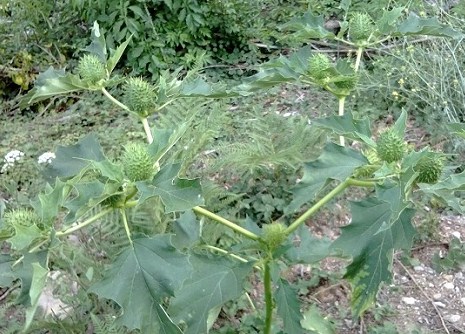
[459, 275]
[437, 296]
[409, 300]
[453, 317]
[439, 304]
[449, 278]
[456, 234]
[418, 268]
[463, 300]
[449, 286]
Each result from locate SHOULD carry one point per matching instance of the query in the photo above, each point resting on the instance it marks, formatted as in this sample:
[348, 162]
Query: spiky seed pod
[137, 163]
[140, 96]
[22, 217]
[319, 64]
[361, 26]
[273, 235]
[91, 69]
[349, 83]
[429, 168]
[390, 146]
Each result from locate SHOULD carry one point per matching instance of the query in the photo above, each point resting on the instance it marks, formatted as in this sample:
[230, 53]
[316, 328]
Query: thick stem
[125, 223]
[359, 58]
[147, 130]
[224, 221]
[115, 101]
[268, 297]
[342, 101]
[333, 193]
[84, 223]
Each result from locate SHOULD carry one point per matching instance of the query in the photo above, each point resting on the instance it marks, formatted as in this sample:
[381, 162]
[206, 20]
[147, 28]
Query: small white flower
[14, 155]
[46, 158]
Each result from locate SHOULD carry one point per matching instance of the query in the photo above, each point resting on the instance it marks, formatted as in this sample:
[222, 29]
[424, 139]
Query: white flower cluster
[10, 159]
[46, 158]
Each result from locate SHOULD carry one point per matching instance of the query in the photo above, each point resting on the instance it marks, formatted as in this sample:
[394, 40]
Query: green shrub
[168, 34]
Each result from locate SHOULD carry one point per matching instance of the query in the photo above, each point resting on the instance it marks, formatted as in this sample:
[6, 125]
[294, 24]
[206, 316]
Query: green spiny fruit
[372, 156]
[360, 27]
[91, 69]
[368, 170]
[348, 83]
[137, 163]
[320, 66]
[22, 217]
[273, 235]
[140, 96]
[390, 146]
[429, 168]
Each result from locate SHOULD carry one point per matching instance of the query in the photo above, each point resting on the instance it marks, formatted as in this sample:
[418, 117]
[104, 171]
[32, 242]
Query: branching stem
[204, 212]
[328, 197]
[342, 101]
[125, 223]
[359, 58]
[115, 101]
[84, 223]
[147, 130]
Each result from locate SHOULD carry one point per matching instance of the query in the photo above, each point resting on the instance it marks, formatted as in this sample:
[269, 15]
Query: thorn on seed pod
[361, 27]
[320, 66]
[273, 235]
[140, 96]
[91, 69]
[429, 168]
[22, 217]
[137, 163]
[390, 146]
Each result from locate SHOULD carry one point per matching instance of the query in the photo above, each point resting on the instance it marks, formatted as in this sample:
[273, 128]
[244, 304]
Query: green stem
[225, 252]
[84, 224]
[341, 187]
[359, 58]
[147, 130]
[125, 223]
[115, 101]
[342, 101]
[224, 221]
[268, 298]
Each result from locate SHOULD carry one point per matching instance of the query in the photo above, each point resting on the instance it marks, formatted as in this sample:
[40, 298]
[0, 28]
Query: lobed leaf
[140, 278]
[176, 194]
[335, 163]
[215, 281]
[288, 308]
[371, 237]
[415, 25]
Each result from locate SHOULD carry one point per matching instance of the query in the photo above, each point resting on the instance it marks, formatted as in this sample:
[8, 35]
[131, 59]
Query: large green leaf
[48, 204]
[288, 308]
[415, 25]
[86, 193]
[447, 190]
[176, 194]
[335, 163]
[164, 140]
[70, 160]
[186, 230]
[347, 126]
[388, 22]
[309, 26]
[309, 249]
[50, 83]
[25, 272]
[7, 275]
[39, 277]
[24, 236]
[139, 280]
[371, 237]
[313, 320]
[215, 281]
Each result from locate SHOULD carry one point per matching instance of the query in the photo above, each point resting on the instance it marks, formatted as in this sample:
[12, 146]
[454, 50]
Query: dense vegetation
[163, 170]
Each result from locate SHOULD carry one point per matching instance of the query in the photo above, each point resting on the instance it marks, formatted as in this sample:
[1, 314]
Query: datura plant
[173, 282]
